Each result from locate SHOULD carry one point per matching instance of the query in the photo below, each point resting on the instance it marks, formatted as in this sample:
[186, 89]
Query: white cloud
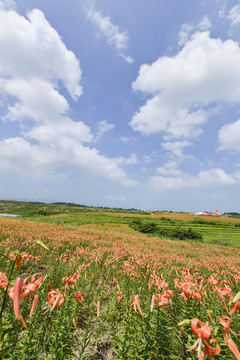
[187, 29]
[36, 99]
[184, 34]
[183, 88]
[128, 58]
[33, 61]
[130, 139]
[103, 127]
[68, 129]
[109, 31]
[229, 136]
[19, 157]
[234, 15]
[176, 147]
[7, 4]
[204, 24]
[169, 169]
[33, 42]
[128, 161]
[206, 178]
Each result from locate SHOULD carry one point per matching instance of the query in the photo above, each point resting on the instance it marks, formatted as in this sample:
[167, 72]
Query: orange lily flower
[225, 321]
[30, 284]
[17, 288]
[71, 280]
[18, 262]
[136, 304]
[235, 307]
[35, 300]
[55, 298]
[98, 308]
[152, 303]
[3, 280]
[203, 333]
[120, 295]
[79, 297]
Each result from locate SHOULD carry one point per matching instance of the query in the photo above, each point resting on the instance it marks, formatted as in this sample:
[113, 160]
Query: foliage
[153, 228]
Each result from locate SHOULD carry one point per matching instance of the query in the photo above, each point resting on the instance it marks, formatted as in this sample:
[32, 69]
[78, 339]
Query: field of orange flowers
[82, 293]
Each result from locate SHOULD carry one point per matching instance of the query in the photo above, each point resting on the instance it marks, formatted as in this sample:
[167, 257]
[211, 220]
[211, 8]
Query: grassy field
[221, 231]
[86, 285]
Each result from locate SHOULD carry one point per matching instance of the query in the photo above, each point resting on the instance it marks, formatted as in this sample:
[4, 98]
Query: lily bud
[236, 297]
[17, 288]
[185, 322]
[41, 244]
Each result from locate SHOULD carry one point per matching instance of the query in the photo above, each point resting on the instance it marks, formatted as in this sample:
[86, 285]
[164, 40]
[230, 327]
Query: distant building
[208, 213]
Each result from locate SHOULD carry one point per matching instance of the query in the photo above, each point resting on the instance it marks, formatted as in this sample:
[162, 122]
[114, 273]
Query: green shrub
[180, 233]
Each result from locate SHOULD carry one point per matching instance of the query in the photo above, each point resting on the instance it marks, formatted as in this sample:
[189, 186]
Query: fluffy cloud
[7, 4]
[184, 88]
[34, 61]
[33, 42]
[205, 178]
[229, 136]
[18, 156]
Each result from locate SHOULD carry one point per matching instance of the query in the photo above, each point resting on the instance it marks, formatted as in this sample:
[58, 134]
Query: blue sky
[129, 104]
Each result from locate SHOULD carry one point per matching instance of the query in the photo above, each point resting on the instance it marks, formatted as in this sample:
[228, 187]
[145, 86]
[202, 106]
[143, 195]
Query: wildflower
[18, 262]
[30, 284]
[152, 302]
[41, 244]
[136, 304]
[55, 298]
[17, 287]
[225, 321]
[235, 307]
[120, 295]
[203, 334]
[98, 308]
[79, 297]
[3, 280]
[35, 300]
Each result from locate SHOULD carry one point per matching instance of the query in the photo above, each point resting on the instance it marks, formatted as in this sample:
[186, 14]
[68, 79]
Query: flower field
[81, 292]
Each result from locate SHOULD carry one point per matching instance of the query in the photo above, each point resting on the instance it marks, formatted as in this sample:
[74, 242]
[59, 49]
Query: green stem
[5, 294]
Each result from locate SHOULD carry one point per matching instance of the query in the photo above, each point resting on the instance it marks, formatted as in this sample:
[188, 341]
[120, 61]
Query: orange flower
[203, 333]
[120, 295]
[98, 308]
[30, 284]
[152, 303]
[71, 280]
[35, 300]
[17, 288]
[55, 298]
[18, 262]
[3, 280]
[79, 297]
[136, 304]
[235, 307]
[225, 321]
